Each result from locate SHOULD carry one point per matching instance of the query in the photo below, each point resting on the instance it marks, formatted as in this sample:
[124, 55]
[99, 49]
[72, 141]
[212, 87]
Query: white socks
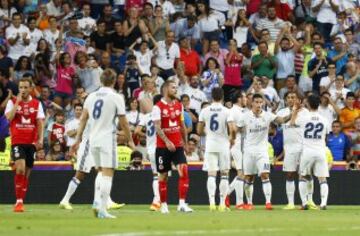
[73, 184]
[105, 189]
[232, 186]
[310, 189]
[224, 188]
[155, 186]
[324, 192]
[249, 190]
[97, 189]
[267, 189]
[303, 189]
[239, 190]
[290, 191]
[211, 188]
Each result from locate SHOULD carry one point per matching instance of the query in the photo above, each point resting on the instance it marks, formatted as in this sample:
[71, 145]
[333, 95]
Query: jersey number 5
[97, 109]
[312, 130]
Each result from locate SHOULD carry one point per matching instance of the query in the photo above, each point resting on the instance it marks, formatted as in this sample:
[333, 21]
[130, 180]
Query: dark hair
[156, 98]
[30, 18]
[290, 92]
[18, 63]
[62, 58]
[318, 44]
[263, 42]
[349, 30]
[284, 39]
[184, 96]
[217, 94]
[207, 7]
[16, 14]
[204, 104]
[313, 101]
[350, 95]
[236, 96]
[136, 154]
[217, 65]
[149, 4]
[257, 95]
[78, 105]
[337, 122]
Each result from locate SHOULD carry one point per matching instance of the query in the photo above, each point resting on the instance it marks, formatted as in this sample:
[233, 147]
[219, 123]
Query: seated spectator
[290, 86]
[40, 155]
[134, 26]
[218, 53]
[265, 37]
[87, 24]
[211, 77]
[339, 54]
[99, 39]
[353, 46]
[190, 58]
[338, 94]
[154, 71]
[272, 23]
[352, 77]
[71, 126]
[328, 82]
[108, 18]
[55, 153]
[349, 113]
[197, 96]
[159, 25]
[133, 115]
[187, 27]
[270, 94]
[191, 153]
[136, 161]
[57, 130]
[355, 142]
[132, 73]
[23, 66]
[338, 143]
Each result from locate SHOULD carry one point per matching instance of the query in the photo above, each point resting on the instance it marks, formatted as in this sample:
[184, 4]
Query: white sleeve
[241, 121]
[271, 116]
[177, 55]
[120, 105]
[201, 116]
[69, 126]
[230, 117]
[40, 114]
[156, 113]
[9, 106]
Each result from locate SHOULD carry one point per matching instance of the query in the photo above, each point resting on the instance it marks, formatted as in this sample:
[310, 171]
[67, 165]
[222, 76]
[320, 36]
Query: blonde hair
[108, 77]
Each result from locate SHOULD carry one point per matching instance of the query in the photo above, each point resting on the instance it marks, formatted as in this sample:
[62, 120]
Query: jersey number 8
[97, 109]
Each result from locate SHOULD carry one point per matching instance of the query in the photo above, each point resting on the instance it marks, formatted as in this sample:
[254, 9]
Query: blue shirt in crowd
[338, 145]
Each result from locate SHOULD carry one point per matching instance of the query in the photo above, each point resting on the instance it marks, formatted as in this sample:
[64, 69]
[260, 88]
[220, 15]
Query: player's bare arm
[184, 134]
[11, 114]
[40, 132]
[160, 132]
[232, 132]
[83, 120]
[124, 125]
[281, 120]
[200, 129]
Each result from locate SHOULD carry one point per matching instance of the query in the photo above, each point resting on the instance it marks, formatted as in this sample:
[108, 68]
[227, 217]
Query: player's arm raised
[281, 120]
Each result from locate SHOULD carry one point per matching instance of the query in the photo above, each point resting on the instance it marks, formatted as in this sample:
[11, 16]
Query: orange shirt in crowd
[348, 115]
[43, 24]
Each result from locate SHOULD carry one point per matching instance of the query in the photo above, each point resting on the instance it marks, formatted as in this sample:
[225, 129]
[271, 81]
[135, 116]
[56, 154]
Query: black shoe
[304, 207]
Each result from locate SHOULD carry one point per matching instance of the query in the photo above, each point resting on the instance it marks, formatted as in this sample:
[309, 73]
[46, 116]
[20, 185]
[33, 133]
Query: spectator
[351, 44]
[304, 10]
[149, 86]
[54, 9]
[6, 64]
[87, 24]
[55, 153]
[241, 28]
[52, 33]
[276, 139]
[7, 89]
[42, 22]
[328, 82]
[35, 35]
[352, 77]
[218, 53]
[328, 108]
[187, 27]
[99, 39]
[349, 113]
[123, 151]
[121, 87]
[155, 76]
[338, 94]
[191, 152]
[355, 142]
[283, 10]
[44, 71]
[264, 64]
[44, 98]
[338, 143]
[57, 130]
[108, 19]
[133, 115]
[188, 113]
[72, 125]
[167, 6]
[271, 23]
[211, 77]
[261, 14]
[136, 161]
[6, 13]
[246, 71]
[339, 55]
[197, 96]
[270, 94]
[190, 58]
[144, 55]
[22, 67]
[40, 155]
[132, 73]
[159, 25]
[18, 37]
[134, 27]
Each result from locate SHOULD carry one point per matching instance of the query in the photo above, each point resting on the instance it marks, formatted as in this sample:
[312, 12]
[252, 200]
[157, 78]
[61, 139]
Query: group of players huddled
[239, 133]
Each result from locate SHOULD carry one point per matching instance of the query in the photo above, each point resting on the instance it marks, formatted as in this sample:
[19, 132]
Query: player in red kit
[171, 133]
[26, 116]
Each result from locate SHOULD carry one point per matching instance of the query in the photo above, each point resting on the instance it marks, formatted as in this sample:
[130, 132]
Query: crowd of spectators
[244, 46]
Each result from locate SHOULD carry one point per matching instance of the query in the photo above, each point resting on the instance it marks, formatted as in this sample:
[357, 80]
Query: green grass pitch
[136, 220]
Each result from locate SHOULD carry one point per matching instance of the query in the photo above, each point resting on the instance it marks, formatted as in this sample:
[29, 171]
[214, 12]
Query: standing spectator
[159, 25]
[57, 130]
[133, 115]
[338, 94]
[328, 108]
[353, 46]
[132, 73]
[355, 141]
[144, 55]
[352, 77]
[325, 15]
[283, 10]
[339, 54]
[265, 37]
[88, 72]
[264, 64]
[108, 19]
[211, 77]
[190, 58]
[246, 71]
[52, 33]
[168, 55]
[232, 75]
[134, 27]
[285, 56]
[318, 66]
[187, 27]
[241, 28]
[18, 37]
[99, 39]
[272, 23]
[328, 82]
[6, 13]
[191, 152]
[338, 143]
[256, 17]
[218, 53]
[97, 7]
[65, 75]
[197, 96]
[349, 113]
[72, 125]
[35, 35]
[303, 10]
[43, 70]
[290, 86]
[6, 64]
[54, 9]
[87, 24]
[118, 46]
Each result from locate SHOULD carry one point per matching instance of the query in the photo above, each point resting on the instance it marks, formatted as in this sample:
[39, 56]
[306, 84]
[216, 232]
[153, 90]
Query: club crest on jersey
[166, 112]
[32, 110]
[25, 121]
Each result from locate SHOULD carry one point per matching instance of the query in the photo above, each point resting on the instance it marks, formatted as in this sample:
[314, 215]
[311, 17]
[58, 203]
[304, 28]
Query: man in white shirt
[72, 126]
[256, 124]
[325, 16]
[87, 24]
[100, 109]
[215, 120]
[197, 96]
[54, 8]
[35, 35]
[18, 37]
[168, 54]
[219, 5]
[313, 161]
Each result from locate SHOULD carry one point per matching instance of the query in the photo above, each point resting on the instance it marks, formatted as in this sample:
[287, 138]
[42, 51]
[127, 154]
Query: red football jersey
[171, 117]
[23, 127]
[57, 133]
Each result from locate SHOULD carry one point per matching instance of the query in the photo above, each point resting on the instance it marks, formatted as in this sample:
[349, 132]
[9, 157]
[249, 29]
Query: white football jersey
[216, 118]
[148, 123]
[256, 130]
[292, 134]
[237, 112]
[314, 129]
[103, 106]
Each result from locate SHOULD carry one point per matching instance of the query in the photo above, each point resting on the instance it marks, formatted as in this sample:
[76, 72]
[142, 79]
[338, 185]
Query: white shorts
[291, 161]
[105, 156]
[215, 161]
[237, 156]
[256, 163]
[313, 162]
[84, 162]
[152, 160]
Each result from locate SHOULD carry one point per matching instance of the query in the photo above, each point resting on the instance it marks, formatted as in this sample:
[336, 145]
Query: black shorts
[24, 151]
[164, 158]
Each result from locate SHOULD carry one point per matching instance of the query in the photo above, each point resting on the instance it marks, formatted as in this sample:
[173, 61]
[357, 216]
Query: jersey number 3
[312, 131]
[97, 109]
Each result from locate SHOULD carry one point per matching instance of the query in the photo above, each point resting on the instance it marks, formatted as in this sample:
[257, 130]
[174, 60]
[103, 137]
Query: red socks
[183, 185]
[19, 183]
[25, 187]
[163, 191]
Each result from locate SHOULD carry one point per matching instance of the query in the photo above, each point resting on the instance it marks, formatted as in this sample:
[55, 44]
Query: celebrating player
[171, 139]
[236, 151]
[101, 108]
[26, 116]
[148, 124]
[314, 129]
[256, 158]
[217, 119]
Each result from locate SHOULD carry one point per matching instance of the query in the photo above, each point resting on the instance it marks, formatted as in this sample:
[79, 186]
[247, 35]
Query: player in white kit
[150, 133]
[239, 107]
[215, 120]
[313, 158]
[102, 108]
[256, 158]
